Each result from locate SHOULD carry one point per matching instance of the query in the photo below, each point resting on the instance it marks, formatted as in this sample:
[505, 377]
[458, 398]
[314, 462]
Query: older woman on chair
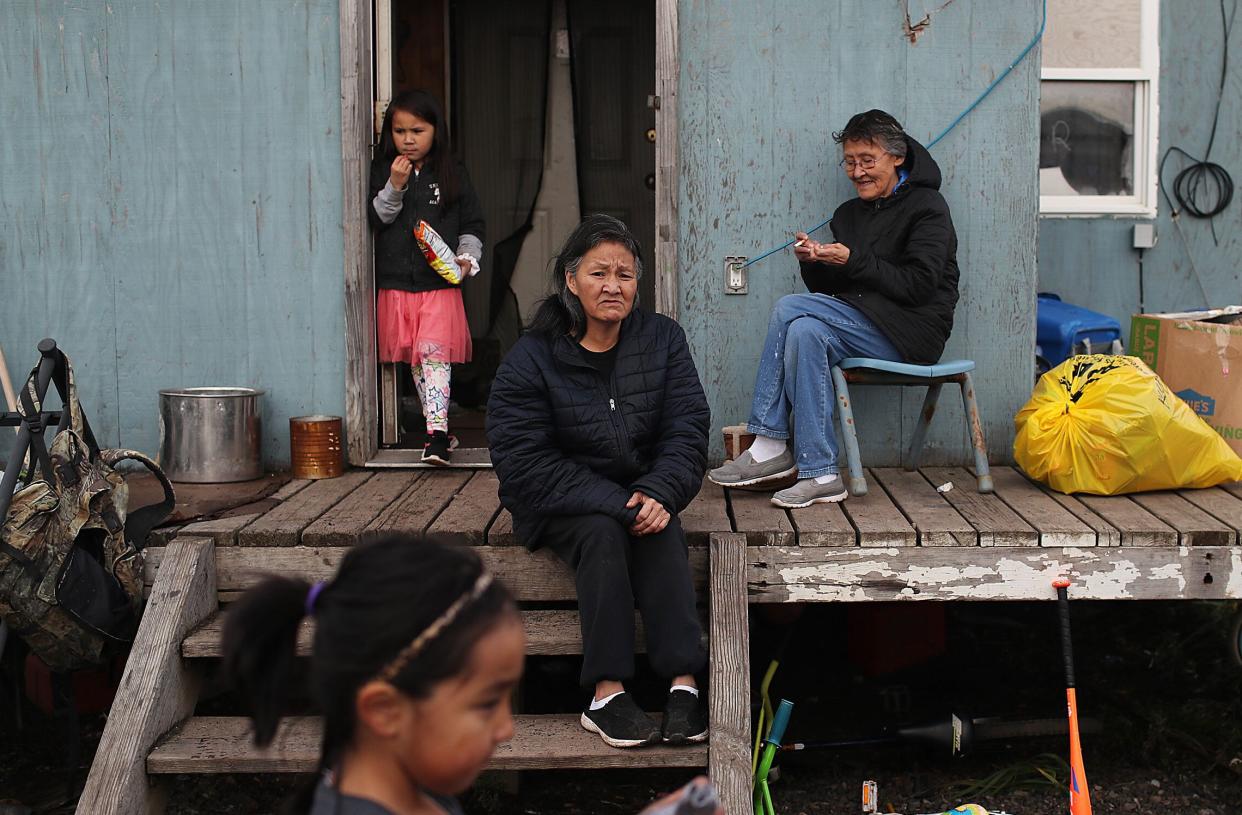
[598, 424]
[885, 288]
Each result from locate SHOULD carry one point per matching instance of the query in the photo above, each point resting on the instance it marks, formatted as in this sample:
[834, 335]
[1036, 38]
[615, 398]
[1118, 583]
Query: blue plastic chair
[864, 371]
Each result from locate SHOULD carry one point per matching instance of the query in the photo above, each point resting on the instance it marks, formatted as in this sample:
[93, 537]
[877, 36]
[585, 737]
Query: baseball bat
[1080, 794]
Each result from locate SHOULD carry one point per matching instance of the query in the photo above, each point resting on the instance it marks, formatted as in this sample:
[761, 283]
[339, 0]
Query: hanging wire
[1043, 24]
[1203, 189]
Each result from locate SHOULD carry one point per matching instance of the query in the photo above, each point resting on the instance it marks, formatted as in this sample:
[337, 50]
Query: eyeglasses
[866, 162]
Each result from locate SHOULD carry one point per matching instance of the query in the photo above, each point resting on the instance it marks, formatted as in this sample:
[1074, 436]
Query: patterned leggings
[432, 381]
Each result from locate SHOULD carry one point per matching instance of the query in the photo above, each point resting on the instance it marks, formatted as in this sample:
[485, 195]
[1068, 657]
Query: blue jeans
[809, 333]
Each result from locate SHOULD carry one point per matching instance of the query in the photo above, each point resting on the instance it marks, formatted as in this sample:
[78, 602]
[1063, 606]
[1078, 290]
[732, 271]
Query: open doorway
[549, 104]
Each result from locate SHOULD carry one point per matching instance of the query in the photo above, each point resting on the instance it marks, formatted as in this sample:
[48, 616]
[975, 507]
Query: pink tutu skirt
[424, 325]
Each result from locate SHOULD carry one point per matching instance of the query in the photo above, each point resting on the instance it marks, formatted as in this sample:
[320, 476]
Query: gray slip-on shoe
[807, 491]
[744, 471]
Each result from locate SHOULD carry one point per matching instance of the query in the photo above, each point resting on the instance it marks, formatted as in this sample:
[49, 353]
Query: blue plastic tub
[1063, 330]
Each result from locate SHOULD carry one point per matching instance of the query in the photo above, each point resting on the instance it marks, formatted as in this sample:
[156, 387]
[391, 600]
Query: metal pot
[211, 435]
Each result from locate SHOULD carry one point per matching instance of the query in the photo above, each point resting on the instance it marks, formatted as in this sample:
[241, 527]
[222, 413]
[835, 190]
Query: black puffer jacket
[902, 271]
[399, 262]
[566, 442]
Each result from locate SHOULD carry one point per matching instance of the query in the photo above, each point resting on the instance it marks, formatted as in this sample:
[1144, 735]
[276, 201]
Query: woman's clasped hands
[652, 516]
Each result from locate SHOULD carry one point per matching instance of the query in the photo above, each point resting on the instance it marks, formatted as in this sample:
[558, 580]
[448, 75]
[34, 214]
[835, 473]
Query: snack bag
[438, 253]
[1108, 425]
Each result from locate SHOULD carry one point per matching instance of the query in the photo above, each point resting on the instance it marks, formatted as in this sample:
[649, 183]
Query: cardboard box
[1198, 354]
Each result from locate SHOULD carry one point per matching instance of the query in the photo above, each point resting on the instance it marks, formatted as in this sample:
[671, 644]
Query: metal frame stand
[842, 378]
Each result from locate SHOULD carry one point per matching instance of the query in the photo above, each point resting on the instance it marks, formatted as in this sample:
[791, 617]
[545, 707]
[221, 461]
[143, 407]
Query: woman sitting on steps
[598, 424]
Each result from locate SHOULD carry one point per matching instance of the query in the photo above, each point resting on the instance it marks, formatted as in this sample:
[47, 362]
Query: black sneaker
[685, 718]
[621, 723]
[453, 443]
[436, 450]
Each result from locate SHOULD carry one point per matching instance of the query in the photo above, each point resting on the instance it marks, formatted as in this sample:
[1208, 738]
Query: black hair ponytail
[385, 594]
[260, 648]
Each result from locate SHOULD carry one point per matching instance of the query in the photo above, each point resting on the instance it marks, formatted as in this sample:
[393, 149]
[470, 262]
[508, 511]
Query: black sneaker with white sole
[685, 718]
[436, 450]
[621, 723]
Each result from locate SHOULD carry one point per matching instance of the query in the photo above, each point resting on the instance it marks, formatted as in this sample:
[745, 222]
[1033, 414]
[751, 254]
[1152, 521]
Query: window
[1097, 108]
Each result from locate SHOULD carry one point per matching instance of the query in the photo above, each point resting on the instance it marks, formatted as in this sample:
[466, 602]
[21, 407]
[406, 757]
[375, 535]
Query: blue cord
[785, 245]
[1038, 36]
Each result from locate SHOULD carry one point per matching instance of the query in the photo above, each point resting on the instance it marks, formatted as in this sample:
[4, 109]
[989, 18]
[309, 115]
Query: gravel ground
[1160, 694]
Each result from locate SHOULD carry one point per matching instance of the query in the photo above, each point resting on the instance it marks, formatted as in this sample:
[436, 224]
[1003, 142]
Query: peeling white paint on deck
[1234, 587]
[1170, 571]
[982, 573]
[1115, 584]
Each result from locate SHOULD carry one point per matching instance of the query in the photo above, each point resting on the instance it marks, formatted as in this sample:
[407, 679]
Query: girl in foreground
[416, 654]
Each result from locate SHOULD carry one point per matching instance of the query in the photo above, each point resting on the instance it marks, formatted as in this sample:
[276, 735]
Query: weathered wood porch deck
[904, 540]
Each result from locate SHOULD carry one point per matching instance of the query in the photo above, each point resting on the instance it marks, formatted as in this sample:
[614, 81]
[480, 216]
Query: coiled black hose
[1204, 189]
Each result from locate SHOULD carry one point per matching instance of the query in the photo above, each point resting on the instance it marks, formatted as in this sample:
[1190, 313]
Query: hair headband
[432, 631]
[312, 595]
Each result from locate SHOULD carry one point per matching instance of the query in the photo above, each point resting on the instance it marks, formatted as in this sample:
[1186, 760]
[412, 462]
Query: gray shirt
[388, 202]
[328, 801]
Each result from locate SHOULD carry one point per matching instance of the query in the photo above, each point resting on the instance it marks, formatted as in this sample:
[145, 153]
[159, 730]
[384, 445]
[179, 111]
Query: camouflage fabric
[70, 580]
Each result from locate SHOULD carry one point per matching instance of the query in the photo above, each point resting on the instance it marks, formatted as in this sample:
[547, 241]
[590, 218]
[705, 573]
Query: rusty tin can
[315, 444]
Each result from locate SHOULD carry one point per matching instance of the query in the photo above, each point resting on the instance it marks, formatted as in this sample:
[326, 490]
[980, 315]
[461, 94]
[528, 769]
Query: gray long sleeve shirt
[388, 202]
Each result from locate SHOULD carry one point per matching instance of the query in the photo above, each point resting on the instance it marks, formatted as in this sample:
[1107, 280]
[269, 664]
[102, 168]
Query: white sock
[695, 691]
[596, 704]
[824, 479]
[763, 448]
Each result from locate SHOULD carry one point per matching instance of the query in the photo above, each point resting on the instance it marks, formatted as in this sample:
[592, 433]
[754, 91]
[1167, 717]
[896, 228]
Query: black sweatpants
[615, 572]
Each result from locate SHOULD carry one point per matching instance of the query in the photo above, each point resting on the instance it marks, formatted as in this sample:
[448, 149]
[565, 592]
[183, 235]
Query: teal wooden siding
[170, 207]
[762, 87]
[1091, 261]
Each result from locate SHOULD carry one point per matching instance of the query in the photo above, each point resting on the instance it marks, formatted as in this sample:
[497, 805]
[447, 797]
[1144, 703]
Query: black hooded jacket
[902, 272]
[566, 441]
[399, 262]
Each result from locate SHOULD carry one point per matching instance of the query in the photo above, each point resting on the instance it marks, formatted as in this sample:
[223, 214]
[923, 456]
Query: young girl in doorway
[419, 315]
[416, 651]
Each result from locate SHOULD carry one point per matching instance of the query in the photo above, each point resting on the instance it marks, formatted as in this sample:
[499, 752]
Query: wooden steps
[548, 632]
[222, 744]
[170, 739]
[536, 577]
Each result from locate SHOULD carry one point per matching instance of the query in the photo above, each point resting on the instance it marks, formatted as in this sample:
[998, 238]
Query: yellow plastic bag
[1108, 425]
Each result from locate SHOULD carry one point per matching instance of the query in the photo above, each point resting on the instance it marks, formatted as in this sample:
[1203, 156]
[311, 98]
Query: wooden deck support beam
[728, 750]
[158, 689]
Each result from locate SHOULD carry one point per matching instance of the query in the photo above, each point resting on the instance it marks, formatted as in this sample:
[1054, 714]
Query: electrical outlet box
[735, 274]
[1144, 236]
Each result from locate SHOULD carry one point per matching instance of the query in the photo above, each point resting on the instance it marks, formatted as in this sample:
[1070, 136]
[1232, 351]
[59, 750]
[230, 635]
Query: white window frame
[1143, 202]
